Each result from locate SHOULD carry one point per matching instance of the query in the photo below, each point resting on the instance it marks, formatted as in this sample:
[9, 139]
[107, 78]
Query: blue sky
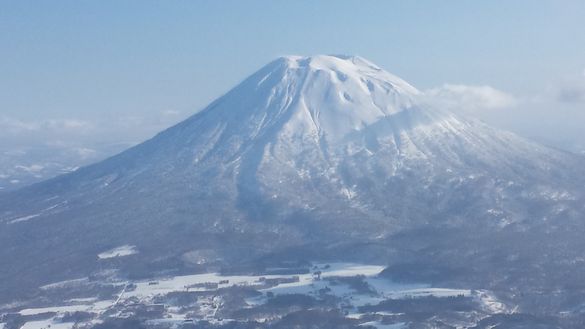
[81, 65]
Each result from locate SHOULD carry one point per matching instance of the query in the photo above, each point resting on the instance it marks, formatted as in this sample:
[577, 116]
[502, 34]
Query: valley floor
[350, 295]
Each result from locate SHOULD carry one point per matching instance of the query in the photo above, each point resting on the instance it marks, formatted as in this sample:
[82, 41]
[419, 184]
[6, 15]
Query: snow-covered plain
[322, 277]
[97, 307]
[188, 282]
[379, 325]
[47, 324]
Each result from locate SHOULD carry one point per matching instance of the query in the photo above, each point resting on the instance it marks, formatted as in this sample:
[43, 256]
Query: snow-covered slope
[307, 151]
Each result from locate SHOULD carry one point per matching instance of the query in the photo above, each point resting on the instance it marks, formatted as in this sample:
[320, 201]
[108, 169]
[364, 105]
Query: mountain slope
[321, 151]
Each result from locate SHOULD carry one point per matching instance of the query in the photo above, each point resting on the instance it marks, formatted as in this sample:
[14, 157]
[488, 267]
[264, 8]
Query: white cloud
[11, 125]
[84, 134]
[572, 90]
[171, 113]
[134, 127]
[35, 168]
[85, 152]
[554, 116]
[17, 126]
[69, 124]
[469, 99]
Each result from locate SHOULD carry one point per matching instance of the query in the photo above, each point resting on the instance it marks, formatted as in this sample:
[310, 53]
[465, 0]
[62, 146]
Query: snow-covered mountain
[330, 152]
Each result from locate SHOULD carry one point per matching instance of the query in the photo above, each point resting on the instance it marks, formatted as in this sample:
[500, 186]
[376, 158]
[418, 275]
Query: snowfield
[121, 251]
[322, 278]
[379, 325]
[23, 219]
[47, 324]
[97, 307]
[189, 282]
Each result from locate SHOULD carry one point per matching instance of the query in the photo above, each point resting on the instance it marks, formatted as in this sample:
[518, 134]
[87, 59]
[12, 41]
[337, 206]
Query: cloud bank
[573, 90]
[469, 99]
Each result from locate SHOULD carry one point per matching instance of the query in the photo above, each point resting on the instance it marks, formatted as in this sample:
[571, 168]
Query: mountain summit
[322, 156]
[320, 96]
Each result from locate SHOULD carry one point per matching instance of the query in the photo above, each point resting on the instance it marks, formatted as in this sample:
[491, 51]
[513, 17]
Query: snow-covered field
[121, 251]
[47, 324]
[331, 278]
[188, 282]
[96, 307]
[379, 325]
